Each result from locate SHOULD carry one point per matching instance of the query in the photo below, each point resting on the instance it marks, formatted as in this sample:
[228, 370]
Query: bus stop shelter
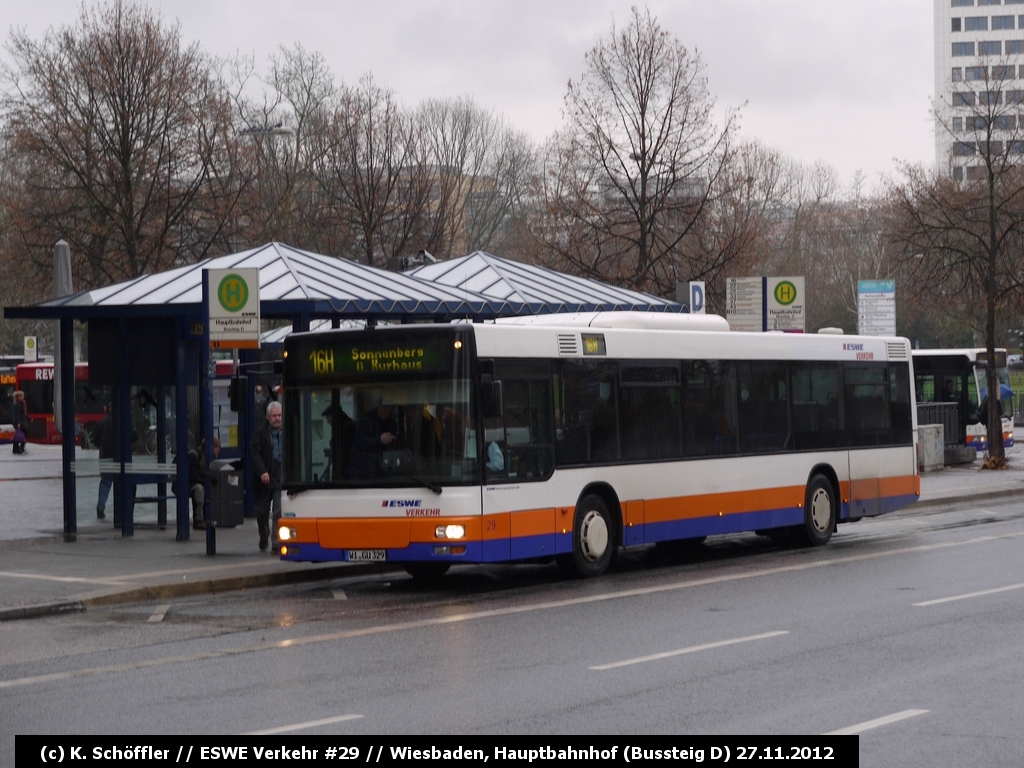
[149, 335]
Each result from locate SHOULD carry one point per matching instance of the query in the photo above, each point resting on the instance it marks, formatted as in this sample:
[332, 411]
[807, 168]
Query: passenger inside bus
[343, 435]
[375, 432]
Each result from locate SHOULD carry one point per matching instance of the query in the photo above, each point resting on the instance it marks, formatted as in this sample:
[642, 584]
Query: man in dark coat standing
[20, 419]
[265, 458]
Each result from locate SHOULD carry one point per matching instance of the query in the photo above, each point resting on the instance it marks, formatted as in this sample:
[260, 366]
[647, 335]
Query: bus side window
[817, 414]
[650, 400]
[710, 417]
[523, 433]
[588, 415]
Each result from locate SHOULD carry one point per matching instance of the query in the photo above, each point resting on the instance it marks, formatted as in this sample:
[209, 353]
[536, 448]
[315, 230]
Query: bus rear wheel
[819, 512]
[593, 537]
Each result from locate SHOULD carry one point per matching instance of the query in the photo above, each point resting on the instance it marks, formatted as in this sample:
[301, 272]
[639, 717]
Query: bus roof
[969, 353]
[649, 320]
[500, 340]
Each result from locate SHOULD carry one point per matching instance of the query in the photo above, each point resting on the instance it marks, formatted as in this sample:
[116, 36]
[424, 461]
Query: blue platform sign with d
[697, 297]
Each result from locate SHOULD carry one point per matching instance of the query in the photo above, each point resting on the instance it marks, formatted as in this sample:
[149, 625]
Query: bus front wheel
[593, 539]
[819, 512]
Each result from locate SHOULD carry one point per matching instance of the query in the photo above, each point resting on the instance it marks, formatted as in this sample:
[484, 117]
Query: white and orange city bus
[569, 437]
[958, 376]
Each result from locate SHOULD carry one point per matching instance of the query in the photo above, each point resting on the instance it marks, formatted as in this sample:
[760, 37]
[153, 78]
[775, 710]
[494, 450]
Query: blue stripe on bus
[547, 545]
[733, 523]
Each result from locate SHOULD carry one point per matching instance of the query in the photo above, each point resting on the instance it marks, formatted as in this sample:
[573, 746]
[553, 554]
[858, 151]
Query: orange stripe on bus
[533, 522]
[398, 533]
[714, 504]
[907, 485]
[364, 533]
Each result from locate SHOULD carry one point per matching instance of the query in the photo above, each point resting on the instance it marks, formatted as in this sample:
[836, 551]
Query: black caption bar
[497, 751]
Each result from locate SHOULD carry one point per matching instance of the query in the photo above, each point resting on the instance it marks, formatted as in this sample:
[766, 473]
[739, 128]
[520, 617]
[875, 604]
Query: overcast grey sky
[849, 83]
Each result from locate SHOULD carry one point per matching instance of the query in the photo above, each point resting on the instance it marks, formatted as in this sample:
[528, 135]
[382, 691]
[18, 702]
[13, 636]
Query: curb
[948, 500]
[279, 578]
[40, 609]
[188, 589]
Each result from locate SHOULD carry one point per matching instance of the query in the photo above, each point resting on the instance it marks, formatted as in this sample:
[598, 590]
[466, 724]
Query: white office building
[979, 81]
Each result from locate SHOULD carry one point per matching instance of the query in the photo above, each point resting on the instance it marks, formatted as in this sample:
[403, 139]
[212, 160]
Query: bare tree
[641, 161]
[117, 128]
[960, 235]
[480, 168]
[280, 133]
[371, 167]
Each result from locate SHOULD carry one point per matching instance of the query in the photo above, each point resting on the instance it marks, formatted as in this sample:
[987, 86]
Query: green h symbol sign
[233, 293]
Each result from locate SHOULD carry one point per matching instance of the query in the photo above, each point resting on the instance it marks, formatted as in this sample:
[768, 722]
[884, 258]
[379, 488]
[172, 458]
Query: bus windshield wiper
[423, 481]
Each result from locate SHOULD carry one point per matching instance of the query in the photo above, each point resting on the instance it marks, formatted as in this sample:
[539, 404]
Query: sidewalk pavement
[43, 572]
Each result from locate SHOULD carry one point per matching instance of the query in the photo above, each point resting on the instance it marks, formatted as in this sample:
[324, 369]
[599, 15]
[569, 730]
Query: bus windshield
[365, 410]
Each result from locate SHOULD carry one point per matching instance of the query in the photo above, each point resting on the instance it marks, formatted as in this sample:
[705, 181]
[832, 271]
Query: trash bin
[226, 507]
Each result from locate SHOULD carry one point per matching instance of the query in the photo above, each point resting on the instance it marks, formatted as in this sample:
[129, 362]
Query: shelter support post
[207, 373]
[161, 455]
[247, 424]
[67, 418]
[124, 489]
[182, 529]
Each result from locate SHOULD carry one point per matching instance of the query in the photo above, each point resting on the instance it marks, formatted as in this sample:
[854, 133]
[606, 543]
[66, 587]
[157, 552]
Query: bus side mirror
[491, 399]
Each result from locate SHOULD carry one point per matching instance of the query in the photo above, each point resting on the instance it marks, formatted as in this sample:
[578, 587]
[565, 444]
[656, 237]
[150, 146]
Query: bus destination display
[317, 360]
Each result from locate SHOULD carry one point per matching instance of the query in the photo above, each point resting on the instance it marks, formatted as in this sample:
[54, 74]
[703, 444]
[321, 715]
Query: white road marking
[691, 649]
[968, 595]
[511, 611]
[302, 726]
[159, 613]
[118, 580]
[67, 579]
[339, 594]
[877, 723]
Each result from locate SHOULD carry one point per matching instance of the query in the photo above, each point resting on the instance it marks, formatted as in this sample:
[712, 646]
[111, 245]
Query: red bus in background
[36, 381]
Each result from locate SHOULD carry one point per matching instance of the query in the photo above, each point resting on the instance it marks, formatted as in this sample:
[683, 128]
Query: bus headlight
[450, 532]
[286, 534]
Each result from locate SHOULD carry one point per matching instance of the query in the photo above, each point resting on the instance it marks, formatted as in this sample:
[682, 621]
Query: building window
[963, 148]
[1002, 22]
[964, 49]
[1004, 72]
[958, 74]
[990, 97]
[990, 48]
[1004, 122]
[990, 2]
[1015, 97]
[976, 24]
[958, 174]
[956, 24]
[958, 125]
[991, 147]
[975, 172]
[1014, 46]
[976, 123]
[1016, 147]
[959, 3]
[963, 99]
[975, 73]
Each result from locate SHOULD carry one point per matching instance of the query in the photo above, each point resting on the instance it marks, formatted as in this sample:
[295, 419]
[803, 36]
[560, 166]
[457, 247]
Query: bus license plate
[367, 554]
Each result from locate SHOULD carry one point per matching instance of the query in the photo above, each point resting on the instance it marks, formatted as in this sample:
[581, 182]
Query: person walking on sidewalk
[265, 457]
[20, 419]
